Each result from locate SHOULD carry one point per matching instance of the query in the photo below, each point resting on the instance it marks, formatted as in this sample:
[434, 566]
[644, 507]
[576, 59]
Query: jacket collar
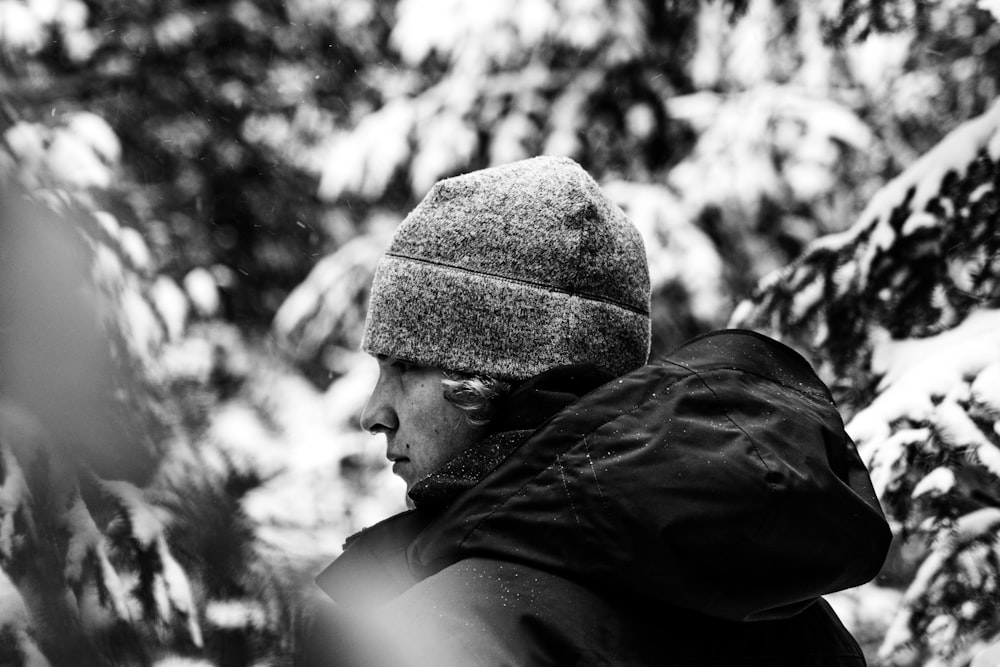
[519, 414]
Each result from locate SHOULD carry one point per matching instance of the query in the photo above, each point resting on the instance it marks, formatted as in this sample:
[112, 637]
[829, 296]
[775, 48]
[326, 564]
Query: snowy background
[197, 193]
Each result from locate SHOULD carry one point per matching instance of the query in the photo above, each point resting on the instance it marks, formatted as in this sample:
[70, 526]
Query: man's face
[422, 429]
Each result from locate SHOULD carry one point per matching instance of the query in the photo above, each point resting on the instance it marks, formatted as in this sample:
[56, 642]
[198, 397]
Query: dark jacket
[688, 513]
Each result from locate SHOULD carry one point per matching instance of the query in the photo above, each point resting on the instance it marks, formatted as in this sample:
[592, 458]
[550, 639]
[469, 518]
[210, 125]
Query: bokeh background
[196, 193]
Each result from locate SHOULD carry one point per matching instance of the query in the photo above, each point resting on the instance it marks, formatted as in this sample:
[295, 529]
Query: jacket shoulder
[482, 611]
[485, 612]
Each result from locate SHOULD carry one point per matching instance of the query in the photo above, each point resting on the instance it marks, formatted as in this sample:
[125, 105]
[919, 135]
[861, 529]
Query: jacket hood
[718, 478]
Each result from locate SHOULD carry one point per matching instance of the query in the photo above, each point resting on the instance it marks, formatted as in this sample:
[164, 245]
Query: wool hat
[510, 271]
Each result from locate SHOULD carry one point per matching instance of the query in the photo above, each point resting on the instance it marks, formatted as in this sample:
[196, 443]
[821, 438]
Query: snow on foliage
[235, 614]
[431, 135]
[88, 544]
[95, 132]
[493, 52]
[328, 307]
[79, 153]
[916, 374]
[475, 38]
[992, 6]
[937, 482]
[740, 54]
[18, 646]
[878, 61]
[866, 610]
[20, 28]
[365, 159]
[171, 305]
[952, 596]
[447, 142]
[14, 498]
[888, 274]
[678, 252]
[140, 560]
[900, 312]
[203, 291]
[757, 142]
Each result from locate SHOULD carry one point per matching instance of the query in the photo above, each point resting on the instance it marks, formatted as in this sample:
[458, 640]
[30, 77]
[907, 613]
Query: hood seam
[732, 421]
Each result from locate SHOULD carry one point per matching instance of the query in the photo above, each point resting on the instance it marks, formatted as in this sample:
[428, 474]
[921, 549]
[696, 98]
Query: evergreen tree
[196, 177]
[900, 314]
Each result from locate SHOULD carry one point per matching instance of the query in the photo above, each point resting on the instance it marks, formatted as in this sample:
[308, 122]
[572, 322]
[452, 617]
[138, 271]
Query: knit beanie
[510, 271]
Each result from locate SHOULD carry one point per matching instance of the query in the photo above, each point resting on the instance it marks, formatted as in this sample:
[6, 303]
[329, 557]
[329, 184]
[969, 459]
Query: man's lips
[397, 460]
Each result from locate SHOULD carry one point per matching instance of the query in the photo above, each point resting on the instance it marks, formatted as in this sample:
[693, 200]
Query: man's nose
[379, 415]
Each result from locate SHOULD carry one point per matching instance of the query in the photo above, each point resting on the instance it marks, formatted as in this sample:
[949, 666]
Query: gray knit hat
[510, 271]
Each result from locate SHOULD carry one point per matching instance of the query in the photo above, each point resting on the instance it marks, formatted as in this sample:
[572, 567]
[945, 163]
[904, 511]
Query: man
[572, 504]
